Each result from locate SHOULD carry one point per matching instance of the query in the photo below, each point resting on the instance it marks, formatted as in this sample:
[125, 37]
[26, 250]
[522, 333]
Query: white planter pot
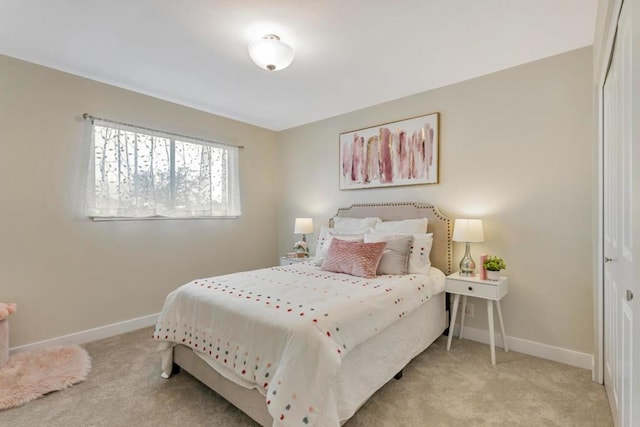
[493, 275]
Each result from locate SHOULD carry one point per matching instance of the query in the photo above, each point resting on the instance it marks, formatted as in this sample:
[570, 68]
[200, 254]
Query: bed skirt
[359, 377]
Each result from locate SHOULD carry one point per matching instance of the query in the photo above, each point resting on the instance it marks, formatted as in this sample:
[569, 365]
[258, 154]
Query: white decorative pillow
[355, 224]
[409, 226]
[322, 237]
[419, 261]
[395, 258]
[324, 241]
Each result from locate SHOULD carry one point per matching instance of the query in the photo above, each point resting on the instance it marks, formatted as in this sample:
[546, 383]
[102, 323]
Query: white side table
[290, 261]
[486, 289]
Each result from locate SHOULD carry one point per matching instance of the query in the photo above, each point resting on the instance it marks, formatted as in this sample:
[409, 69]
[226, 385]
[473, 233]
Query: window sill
[158, 217]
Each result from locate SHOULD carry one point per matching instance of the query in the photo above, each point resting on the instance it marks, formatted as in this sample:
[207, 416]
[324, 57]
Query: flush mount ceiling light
[270, 53]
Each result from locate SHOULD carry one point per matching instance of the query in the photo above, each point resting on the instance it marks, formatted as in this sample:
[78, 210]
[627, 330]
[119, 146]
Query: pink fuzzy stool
[4, 342]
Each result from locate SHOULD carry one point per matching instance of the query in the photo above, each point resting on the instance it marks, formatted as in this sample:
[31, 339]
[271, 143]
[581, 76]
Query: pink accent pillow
[354, 258]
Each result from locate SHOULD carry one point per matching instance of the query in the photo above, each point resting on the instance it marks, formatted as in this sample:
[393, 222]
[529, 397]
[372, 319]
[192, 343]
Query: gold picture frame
[404, 152]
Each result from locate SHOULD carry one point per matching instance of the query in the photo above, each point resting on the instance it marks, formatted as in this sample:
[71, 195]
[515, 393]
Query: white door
[610, 240]
[620, 175]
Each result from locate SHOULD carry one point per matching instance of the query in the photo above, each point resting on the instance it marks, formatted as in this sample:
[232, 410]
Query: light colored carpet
[439, 388]
[30, 375]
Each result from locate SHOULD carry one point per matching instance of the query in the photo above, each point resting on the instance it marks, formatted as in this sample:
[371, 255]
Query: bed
[326, 379]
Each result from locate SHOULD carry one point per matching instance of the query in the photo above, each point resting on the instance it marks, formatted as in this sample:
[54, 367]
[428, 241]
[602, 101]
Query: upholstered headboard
[439, 225]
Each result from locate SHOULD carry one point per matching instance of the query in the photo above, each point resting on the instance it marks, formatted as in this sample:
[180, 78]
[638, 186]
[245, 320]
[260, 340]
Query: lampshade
[270, 53]
[303, 226]
[468, 230]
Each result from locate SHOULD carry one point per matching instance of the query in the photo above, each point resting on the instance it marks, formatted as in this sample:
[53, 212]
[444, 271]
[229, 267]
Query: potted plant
[493, 265]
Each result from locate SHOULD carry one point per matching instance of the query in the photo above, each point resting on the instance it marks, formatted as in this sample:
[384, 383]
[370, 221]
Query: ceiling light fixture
[270, 53]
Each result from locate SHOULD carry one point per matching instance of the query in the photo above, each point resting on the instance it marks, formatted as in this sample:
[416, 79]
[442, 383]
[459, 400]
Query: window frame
[232, 202]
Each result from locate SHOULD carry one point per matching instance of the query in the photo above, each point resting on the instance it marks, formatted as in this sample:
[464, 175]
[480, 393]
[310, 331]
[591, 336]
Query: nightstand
[290, 261]
[489, 290]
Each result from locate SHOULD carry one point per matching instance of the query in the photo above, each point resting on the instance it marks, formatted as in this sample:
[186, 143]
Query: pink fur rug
[32, 374]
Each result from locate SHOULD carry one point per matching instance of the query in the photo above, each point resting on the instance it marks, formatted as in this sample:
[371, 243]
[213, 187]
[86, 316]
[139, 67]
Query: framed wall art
[399, 153]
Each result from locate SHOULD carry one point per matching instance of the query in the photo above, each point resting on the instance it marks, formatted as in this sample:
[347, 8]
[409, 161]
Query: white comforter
[285, 330]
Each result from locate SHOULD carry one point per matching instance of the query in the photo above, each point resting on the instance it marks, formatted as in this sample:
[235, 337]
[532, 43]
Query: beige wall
[70, 274]
[516, 150]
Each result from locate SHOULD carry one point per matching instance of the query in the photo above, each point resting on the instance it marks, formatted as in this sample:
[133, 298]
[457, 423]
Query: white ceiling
[350, 54]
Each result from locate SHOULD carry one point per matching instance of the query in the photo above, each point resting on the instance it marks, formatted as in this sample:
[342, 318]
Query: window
[141, 173]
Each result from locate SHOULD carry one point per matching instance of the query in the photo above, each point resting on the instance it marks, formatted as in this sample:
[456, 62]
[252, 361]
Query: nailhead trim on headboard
[432, 212]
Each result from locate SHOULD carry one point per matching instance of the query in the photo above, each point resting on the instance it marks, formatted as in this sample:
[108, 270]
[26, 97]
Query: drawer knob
[470, 288]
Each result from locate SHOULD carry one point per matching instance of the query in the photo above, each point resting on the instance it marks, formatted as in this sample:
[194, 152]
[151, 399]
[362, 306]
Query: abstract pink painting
[398, 153]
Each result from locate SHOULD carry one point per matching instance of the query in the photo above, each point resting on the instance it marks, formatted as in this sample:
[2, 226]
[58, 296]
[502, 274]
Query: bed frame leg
[175, 369]
[447, 307]
[398, 375]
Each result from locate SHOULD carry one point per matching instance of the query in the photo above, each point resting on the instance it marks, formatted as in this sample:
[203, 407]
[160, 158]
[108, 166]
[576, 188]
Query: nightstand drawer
[474, 289]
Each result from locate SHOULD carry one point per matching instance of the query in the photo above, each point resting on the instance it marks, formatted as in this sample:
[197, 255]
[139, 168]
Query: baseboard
[92, 334]
[557, 354]
[544, 351]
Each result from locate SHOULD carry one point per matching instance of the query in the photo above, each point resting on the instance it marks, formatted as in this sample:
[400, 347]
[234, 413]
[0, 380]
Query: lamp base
[467, 265]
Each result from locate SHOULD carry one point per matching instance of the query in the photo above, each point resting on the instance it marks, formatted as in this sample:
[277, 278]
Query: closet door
[611, 313]
[620, 289]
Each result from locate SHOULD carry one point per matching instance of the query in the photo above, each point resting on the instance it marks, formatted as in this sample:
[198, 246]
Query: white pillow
[419, 261]
[327, 235]
[355, 224]
[326, 232]
[409, 226]
[322, 237]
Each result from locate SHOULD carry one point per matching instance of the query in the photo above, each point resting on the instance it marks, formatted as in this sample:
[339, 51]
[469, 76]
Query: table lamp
[304, 226]
[468, 231]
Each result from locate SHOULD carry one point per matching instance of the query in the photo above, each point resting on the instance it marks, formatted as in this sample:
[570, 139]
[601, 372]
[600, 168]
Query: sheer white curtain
[138, 173]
